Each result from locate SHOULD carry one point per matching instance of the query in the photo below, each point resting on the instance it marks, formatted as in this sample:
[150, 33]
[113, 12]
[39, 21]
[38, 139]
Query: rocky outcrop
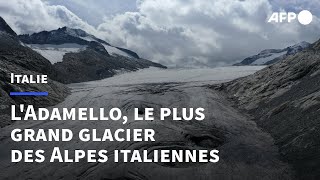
[59, 36]
[284, 99]
[18, 59]
[95, 63]
[4, 27]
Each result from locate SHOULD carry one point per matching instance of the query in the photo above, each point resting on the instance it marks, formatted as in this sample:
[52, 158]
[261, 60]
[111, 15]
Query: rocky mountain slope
[5, 28]
[284, 100]
[270, 56]
[17, 59]
[65, 55]
[79, 56]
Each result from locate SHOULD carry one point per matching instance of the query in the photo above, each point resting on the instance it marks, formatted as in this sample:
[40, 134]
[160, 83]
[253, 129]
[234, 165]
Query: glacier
[245, 150]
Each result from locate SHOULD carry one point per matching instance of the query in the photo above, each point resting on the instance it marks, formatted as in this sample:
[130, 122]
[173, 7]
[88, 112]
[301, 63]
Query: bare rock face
[284, 98]
[13, 52]
[57, 91]
[4, 27]
[17, 59]
[95, 63]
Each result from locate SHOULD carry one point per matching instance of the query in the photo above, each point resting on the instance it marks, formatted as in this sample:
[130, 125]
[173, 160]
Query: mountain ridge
[68, 35]
[79, 56]
[270, 56]
[4, 27]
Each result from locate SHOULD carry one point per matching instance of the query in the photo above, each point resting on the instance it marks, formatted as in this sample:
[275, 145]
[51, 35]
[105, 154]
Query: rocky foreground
[17, 59]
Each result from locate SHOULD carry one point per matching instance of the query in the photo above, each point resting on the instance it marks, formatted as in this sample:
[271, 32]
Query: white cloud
[202, 32]
[297, 5]
[34, 16]
[93, 11]
[173, 32]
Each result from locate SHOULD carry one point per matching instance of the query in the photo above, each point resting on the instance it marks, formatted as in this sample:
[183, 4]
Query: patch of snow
[87, 38]
[120, 71]
[115, 51]
[302, 44]
[298, 47]
[262, 61]
[22, 44]
[54, 53]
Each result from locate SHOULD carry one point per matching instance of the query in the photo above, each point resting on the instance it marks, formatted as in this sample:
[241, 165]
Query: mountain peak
[73, 32]
[302, 44]
[270, 56]
[4, 27]
[66, 35]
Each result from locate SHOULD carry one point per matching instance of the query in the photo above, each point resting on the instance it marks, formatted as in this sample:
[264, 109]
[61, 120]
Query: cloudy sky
[172, 32]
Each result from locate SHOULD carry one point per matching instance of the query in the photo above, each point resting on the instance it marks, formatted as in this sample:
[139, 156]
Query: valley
[244, 149]
[261, 115]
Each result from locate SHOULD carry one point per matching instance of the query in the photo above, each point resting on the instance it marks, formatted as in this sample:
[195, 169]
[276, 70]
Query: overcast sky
[172, 32]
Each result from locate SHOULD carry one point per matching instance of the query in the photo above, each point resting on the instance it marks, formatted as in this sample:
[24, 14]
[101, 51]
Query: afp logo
[304, 17]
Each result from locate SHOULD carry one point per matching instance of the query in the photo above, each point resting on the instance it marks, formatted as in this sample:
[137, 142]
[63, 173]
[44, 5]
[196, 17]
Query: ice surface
[55, 53]
[156, 75]
[246, 151]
